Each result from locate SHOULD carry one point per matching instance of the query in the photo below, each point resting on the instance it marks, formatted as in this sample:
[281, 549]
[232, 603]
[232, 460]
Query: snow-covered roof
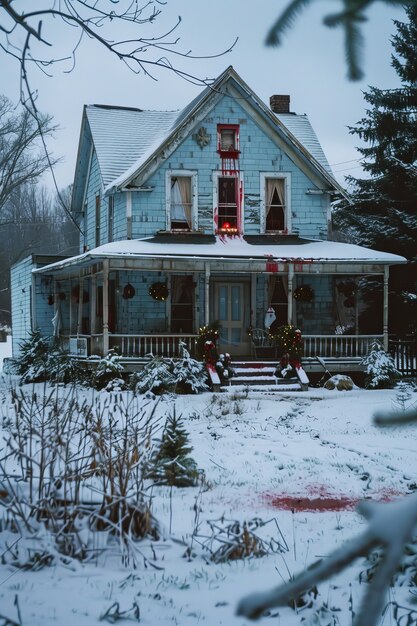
[122, 136]
[300, 127]
[232, 248]
[125, 139]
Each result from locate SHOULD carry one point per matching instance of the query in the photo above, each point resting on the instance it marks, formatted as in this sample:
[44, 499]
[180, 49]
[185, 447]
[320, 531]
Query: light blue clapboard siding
[21, 286]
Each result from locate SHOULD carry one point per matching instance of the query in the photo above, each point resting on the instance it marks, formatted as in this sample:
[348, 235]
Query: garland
[159, 291]
[304, 293]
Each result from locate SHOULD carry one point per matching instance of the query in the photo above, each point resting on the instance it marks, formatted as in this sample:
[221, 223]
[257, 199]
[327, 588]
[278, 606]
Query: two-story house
[216, 212]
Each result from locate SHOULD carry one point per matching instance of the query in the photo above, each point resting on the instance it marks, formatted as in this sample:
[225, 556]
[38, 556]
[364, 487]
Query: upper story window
[181, 195]
[228, 204]
[228, 140]
[275, 212]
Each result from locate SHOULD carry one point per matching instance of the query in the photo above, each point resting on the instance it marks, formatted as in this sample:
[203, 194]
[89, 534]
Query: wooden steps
[260, 376]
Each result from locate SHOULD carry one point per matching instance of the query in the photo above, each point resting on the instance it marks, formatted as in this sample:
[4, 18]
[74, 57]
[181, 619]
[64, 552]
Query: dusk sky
[309, 66]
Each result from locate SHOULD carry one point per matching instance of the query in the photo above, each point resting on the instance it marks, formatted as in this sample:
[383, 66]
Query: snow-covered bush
[108, 373]
[189, 375]
[161, 375]
[57, 452]
[43, 359]
[380, 370]
[171, 463]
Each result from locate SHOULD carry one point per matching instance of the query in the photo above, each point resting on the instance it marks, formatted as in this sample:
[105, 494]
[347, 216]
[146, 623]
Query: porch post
[105, 306]
[80, 305]
[93, 305]
[385, 314]
[206, 294]
[290, 291]
[253, 300]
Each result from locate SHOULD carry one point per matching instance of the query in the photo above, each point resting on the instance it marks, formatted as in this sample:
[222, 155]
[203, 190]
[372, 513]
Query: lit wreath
[159, 291]
[304, 293]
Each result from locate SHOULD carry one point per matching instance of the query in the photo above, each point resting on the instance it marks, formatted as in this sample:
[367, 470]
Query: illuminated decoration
[289, 341]
[304, 293]
[159, 291]
[128, 291]
[207, 333]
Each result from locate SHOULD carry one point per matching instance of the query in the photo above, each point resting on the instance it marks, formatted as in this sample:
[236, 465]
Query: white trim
[216, 174]
[194, 196]
[262, 185]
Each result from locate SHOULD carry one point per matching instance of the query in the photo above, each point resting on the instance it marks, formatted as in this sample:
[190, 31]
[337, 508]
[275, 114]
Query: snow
[255, 449]
[235, 247]
[5, 350]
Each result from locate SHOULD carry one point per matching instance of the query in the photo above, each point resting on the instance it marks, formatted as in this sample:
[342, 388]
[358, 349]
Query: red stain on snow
[319, 499]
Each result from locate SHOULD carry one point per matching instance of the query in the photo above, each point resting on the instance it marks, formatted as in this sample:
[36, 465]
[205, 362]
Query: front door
[230, 309]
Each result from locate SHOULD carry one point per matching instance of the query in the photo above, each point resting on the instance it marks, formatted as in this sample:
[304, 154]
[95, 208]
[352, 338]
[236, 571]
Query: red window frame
[231, 153]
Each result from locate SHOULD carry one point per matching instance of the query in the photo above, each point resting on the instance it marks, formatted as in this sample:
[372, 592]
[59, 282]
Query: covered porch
[146, 296]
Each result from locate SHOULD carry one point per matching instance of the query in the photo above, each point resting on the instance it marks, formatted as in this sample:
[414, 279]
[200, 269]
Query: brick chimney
[279, 104]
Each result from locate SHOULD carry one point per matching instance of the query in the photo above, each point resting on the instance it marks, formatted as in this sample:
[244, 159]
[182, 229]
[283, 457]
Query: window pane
[223, 313]
[236, 307]
[180, 202]
[236, 335]
[227, 139]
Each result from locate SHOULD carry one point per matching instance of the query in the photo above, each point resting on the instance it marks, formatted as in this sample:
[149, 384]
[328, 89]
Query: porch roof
[285, 249]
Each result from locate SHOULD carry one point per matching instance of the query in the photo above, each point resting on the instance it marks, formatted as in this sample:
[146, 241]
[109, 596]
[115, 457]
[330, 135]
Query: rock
[341, 382]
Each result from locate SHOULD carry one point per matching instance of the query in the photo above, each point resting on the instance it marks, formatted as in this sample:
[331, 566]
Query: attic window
[228, 140]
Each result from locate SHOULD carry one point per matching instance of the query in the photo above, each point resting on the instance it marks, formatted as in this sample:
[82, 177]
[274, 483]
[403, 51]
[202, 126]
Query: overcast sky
[309, 66]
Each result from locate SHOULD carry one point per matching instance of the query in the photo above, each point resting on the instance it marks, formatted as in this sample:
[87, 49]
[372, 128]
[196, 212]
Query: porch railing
[339, 345]
[158, 345]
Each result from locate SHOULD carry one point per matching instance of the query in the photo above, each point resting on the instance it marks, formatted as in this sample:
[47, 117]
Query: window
[97, 220]
[228, 204]
[110, 224]
[275, 214]
[181, 196]
[182, 304]
[228, 140]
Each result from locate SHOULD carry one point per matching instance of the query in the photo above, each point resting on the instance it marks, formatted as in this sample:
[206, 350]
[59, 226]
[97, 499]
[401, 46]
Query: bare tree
[21, 159]
[32, 37]
[350, 18]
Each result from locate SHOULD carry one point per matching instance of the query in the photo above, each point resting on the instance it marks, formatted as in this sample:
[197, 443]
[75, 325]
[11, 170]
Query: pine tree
[171, 464]
[380, 370]
[382, 213]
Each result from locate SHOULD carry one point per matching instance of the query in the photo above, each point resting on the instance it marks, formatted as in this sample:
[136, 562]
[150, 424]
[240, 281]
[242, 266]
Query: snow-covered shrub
[231, 540]
[403, 400]
[161, 375]
[58, 450]
[380, 370]
[108, 373]
[189, 375]
[33, 360]
[171, 463]
[156, 376]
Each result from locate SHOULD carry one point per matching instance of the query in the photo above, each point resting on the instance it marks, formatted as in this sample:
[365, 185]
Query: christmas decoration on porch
[128, 291]
[208, 333]
[224, 367]
[289, 342]
[304, 293]
[159, 291]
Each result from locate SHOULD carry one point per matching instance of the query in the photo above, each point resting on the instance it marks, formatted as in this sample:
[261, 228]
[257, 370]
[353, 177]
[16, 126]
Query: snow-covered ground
[302, 458]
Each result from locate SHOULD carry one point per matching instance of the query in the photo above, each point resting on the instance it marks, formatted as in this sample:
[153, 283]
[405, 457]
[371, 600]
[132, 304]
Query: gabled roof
[128, 140]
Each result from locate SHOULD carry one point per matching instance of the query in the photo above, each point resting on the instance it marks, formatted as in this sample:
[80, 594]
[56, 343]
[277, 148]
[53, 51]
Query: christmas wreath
[304, 293]
[159, 291]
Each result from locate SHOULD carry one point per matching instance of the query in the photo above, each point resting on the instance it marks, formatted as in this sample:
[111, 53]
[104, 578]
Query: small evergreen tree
[108, 374]
[171, 464]
[381, 212]
[380, 369]
[156, 376]
[190, 375]
[33, 360]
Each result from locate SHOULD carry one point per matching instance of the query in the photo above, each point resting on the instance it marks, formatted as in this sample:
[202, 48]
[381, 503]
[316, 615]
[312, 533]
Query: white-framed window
[275, 202]
[228, 203]
[228, 139]
[181, 200]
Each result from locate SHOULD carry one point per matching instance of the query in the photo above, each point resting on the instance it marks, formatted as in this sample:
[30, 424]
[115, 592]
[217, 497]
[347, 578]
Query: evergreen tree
[171, 464]
[382, 212]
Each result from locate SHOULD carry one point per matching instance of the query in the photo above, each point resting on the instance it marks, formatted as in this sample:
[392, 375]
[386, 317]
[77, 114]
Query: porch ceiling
[172, 252]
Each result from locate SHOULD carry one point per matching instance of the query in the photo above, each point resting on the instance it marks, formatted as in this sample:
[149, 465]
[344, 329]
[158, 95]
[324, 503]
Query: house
[216, 212]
